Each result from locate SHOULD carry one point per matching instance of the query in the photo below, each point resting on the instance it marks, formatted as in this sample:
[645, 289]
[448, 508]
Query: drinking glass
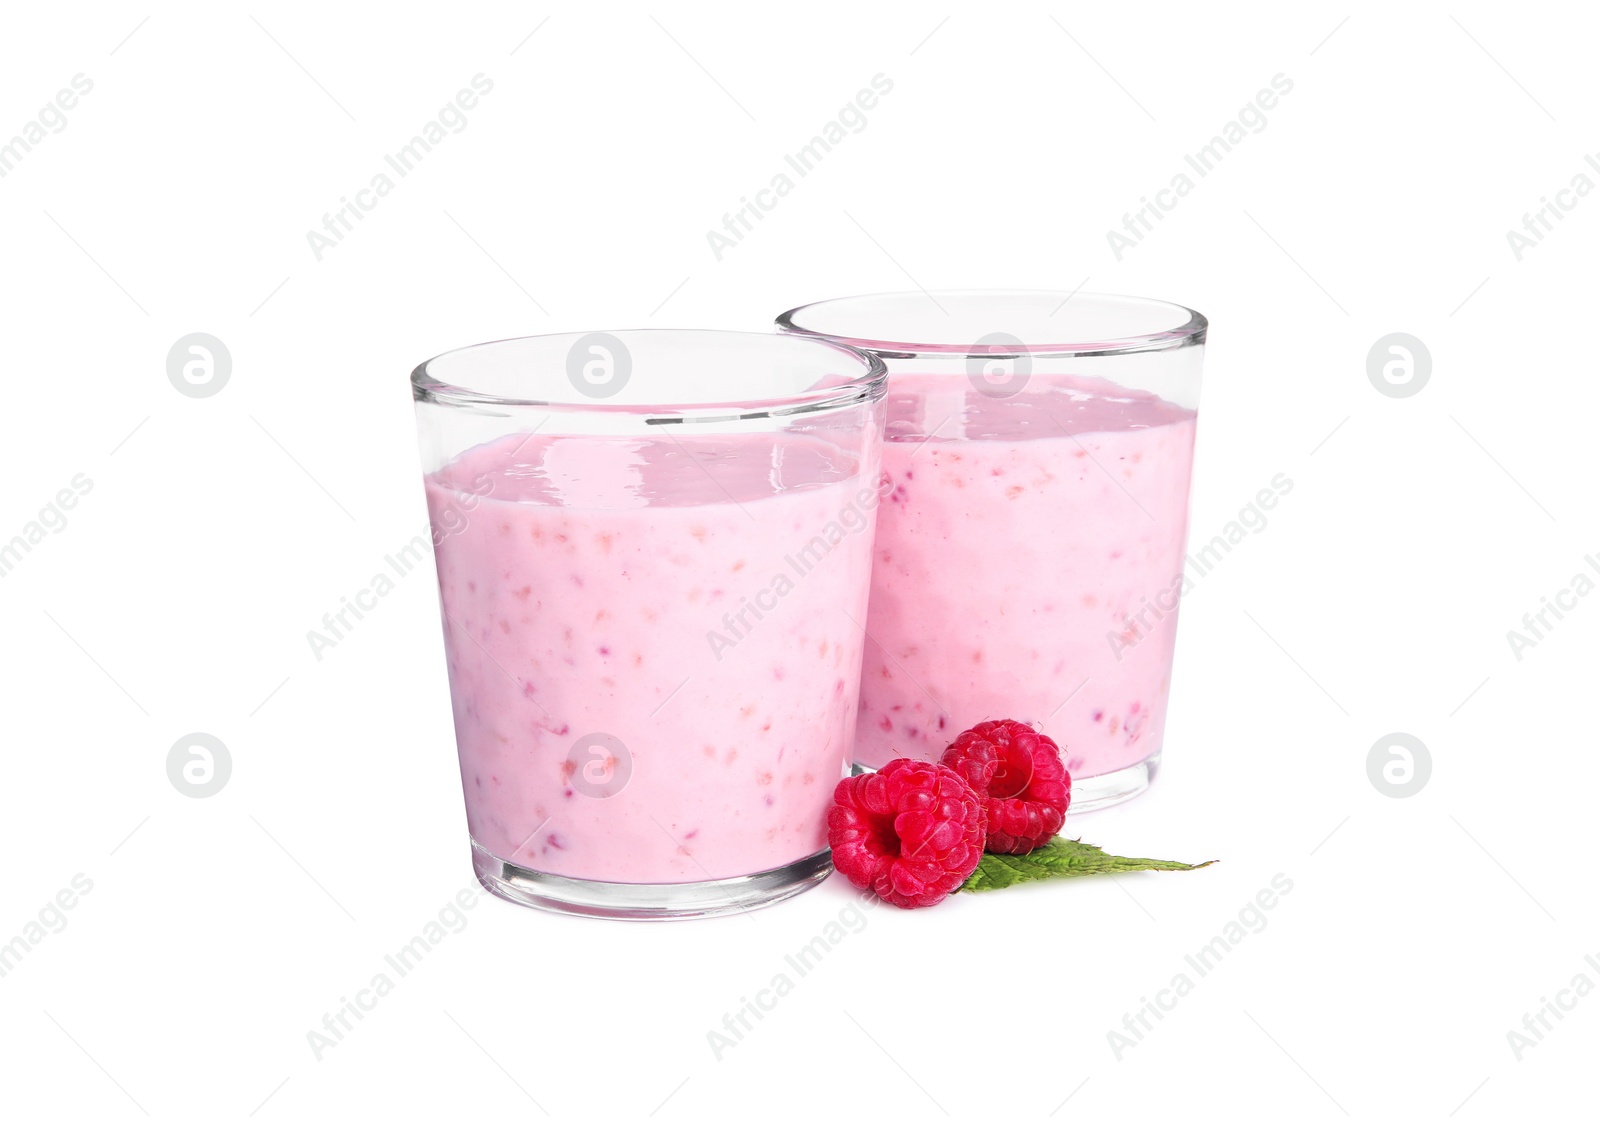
[1030, 549]
[653, 550]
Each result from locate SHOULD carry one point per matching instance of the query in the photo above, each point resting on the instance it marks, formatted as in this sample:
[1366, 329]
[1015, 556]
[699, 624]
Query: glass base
[682, 900]
[1102, 790]
[1098, 791]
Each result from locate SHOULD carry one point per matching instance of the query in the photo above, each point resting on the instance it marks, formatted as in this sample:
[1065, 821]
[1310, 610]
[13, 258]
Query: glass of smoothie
[1030, 545]
[653, 550]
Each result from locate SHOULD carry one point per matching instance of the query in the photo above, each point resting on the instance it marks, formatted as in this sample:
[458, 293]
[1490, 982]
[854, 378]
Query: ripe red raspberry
[911, 832]
[1020, 775]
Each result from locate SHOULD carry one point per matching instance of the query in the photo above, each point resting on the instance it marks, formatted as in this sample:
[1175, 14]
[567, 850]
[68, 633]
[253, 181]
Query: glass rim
[869, 384]
[1188, 327]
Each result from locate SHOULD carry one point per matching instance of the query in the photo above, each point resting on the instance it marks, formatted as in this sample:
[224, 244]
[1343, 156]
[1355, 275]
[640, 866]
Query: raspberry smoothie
[646, 594]
[1028, 564]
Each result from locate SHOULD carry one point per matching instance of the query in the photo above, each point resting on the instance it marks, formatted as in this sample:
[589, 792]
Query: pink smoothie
[1028, 564]
[647, 589]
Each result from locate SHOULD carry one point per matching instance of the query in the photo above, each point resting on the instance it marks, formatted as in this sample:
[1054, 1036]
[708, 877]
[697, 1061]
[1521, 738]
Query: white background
[219, 530]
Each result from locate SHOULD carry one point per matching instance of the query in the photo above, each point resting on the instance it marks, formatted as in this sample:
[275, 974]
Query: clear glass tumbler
[653, 551]
[1030, 552]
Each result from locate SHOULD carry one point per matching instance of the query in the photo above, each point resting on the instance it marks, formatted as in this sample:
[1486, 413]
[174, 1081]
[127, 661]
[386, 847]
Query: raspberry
[1020, 775]
[911, 832]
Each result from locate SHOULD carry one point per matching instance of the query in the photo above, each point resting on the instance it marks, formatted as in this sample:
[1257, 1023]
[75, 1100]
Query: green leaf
[1060, 857]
